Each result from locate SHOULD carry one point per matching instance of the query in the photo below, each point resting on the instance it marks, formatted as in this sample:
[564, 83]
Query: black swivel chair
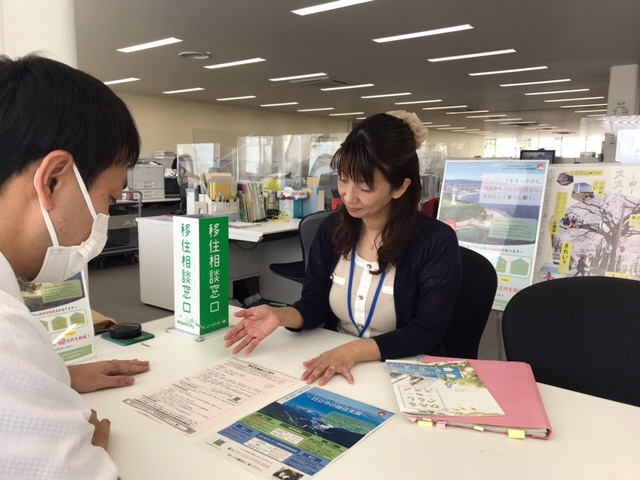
[582, 334]
[473, 306]
[307, 231]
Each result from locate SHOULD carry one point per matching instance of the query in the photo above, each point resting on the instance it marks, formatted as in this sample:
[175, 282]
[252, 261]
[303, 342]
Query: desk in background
[592, 438]
[251, 251]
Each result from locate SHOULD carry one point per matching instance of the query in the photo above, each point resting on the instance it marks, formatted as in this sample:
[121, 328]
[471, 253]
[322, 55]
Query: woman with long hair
[378, 269]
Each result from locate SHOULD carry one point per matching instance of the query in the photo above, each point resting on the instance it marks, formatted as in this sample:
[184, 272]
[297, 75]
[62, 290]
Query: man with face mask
[66, 142]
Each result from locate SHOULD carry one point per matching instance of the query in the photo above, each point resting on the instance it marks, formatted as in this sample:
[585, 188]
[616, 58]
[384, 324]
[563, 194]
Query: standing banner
[591, 222]
[495, 208]
[201, 273]
[63, 310]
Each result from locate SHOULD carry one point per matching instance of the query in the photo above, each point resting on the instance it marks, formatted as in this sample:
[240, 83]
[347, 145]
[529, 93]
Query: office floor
[114, 291]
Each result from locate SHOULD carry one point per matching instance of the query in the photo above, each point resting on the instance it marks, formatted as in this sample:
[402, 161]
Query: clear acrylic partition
[293, 157]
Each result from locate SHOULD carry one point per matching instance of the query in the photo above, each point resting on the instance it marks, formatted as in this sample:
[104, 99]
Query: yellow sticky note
[516, 433]
[425, 422]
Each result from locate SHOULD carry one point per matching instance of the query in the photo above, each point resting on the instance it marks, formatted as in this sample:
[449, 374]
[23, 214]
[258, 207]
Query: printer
[148, 178]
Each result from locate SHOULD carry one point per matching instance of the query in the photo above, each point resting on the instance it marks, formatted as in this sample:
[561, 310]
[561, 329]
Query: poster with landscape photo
[495, 208]
[591, 222]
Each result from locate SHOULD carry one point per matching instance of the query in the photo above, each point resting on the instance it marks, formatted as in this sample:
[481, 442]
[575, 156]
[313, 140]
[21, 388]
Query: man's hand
[89, 377]
[102, 431]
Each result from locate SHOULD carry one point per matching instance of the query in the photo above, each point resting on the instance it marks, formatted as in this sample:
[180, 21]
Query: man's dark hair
[46, 105]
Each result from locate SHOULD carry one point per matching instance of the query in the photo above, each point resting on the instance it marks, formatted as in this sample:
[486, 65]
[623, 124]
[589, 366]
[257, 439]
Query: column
[623, 100]
[43, 26]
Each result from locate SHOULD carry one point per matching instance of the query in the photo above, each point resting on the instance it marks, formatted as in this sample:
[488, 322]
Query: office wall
[164, 123]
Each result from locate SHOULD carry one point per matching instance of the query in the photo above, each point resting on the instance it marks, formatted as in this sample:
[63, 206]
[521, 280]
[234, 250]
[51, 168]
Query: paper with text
[196, 402]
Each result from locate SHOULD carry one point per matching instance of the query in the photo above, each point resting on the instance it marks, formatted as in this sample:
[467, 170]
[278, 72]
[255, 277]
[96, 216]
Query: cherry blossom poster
[591, 222]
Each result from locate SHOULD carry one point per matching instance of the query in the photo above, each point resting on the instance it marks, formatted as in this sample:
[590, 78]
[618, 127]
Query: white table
[250, 254]
[592, 438]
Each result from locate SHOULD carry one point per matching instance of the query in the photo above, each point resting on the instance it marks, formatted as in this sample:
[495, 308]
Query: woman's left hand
[339, 360]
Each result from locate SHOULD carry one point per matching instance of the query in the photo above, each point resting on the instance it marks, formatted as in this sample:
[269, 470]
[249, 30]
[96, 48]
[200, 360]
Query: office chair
[582, 334]
[473, 306]
[307, 232]
[430, 207]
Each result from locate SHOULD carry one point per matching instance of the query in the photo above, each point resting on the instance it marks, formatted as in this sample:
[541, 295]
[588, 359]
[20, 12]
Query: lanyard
[373, 303]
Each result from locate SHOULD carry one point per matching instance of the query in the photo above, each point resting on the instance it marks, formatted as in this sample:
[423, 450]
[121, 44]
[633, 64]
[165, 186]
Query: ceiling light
[342, 114]
[573, 99]
[145, 46]
[279, 104]
[417, 101]
[427, 33]
[235, 98]
[484, 116]
[502, 119]
[521, 122]
[451, 128]
[436, 126]
[467, 111]
[184, 90]
[559, 91]
[513, 70]
[598, 115]
[363, 85]
[444, 108]
[122, 80]
[427, 123]
[328, 6]
[534, 83]
[592, 111]
[472, 55]
[234, 64]
[468, 130]
[388, 95]
[298, 77]
[316, 109]
[584, 106]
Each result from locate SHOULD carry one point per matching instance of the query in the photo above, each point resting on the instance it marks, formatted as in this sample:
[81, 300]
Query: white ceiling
[576, 39]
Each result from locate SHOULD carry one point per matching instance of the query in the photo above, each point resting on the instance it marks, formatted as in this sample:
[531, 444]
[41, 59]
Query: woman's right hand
[257, 324]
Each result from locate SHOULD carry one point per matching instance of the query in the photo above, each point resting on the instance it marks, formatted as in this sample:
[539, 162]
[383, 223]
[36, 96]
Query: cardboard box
[101, 323]
[201, 273]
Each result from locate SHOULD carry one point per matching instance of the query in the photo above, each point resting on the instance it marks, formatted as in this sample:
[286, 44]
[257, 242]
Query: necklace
[373, 245]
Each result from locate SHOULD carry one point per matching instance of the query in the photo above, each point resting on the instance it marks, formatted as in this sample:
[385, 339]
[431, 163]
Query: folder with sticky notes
[513, 387]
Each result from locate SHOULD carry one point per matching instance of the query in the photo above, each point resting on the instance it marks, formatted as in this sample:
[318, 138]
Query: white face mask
[61, 263]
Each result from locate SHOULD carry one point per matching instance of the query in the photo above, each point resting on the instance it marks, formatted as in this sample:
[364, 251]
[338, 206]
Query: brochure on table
[298, 435]
[63, 310]
[590, 222]
[495, 209]
[440, 388]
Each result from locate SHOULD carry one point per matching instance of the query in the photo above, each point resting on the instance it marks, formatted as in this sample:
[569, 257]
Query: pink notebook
[514, 387]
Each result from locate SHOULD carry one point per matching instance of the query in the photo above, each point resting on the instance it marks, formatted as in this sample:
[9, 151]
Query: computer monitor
[538, 155]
